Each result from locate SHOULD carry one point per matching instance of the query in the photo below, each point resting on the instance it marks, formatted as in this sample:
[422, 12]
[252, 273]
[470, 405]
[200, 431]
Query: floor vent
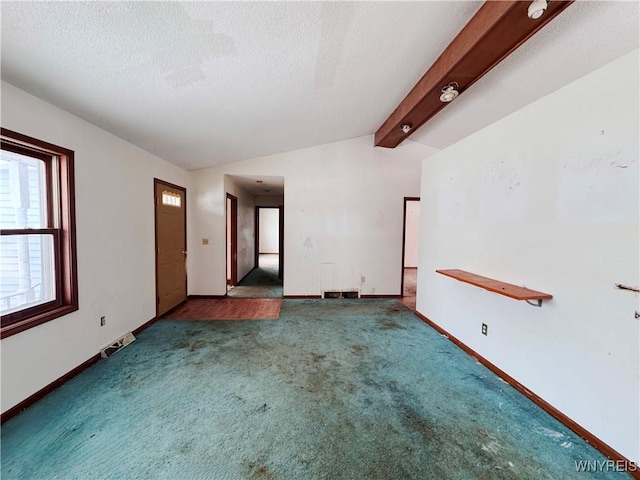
[339, 294]
[117, 345]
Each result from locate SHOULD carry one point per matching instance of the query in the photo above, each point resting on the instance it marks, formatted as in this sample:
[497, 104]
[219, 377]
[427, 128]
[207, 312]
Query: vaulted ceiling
[206, 83]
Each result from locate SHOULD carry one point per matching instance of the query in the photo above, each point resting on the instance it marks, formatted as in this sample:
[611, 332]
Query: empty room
[320, 240]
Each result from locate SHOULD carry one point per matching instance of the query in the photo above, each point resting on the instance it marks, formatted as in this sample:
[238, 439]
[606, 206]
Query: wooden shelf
[506, 289]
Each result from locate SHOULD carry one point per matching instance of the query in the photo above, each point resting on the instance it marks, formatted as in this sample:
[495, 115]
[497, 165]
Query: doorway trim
[280, 209]
[233, 281]
[156, 182]
[281, 245]
[404, 239]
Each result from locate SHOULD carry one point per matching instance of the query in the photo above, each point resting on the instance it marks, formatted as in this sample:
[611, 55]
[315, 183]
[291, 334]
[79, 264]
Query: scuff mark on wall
[308, 244]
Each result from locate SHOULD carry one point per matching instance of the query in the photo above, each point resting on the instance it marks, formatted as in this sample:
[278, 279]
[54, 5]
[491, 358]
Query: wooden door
[171, 245]
[232, 240]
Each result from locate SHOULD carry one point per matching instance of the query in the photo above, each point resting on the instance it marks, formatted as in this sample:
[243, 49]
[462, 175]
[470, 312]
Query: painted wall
[268, 201]
[556, 211]
[412, 234]
[268, 238]
[246, 233]
[246, 227]
[115, 241]
[343, 208]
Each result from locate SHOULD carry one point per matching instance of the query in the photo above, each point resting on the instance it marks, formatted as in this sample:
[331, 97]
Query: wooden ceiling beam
[496, 30]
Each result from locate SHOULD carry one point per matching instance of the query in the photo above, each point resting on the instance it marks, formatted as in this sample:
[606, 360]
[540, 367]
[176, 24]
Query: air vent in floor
[118, 345]
[341, 294]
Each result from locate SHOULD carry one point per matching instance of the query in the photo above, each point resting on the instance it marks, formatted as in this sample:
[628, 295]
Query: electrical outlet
[485, 329]
[205, 241]
[363, 279]
[103, 321]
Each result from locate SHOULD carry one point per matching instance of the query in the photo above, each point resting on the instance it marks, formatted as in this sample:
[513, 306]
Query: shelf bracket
[620, 286]
[538, 303]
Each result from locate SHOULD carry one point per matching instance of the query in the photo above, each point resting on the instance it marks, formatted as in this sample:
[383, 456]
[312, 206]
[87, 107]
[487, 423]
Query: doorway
[410, 242]
[232, 240]
[171, 245]
[265, 279]
[269, 233]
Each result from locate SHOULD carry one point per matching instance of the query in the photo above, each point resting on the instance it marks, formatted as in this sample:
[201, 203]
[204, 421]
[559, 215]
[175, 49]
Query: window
[38, 279]
[171, 199]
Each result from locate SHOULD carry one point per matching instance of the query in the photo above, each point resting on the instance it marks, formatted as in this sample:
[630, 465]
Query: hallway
[261, 282]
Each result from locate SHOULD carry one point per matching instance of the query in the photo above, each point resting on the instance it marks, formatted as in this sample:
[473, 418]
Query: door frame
[280, 209]
[234, 239]
[281, 244]
[404, 238]
[156, 182]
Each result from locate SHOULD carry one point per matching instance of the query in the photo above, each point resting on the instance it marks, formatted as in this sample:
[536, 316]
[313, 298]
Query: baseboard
[302, 297]
[213, 297]
[380, 296]
[13, 411]
[144, 326]
[610, 452]
[26, 403]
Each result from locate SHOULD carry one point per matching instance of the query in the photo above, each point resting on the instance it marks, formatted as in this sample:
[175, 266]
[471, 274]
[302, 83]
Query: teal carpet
[261, 282]
[334, 389]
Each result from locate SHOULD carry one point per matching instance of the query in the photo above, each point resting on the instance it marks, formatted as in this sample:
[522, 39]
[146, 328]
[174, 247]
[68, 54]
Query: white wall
[269, 227]
[246, 227]
[548, 198]
[412, 234]
[115, 239]
[343, 216]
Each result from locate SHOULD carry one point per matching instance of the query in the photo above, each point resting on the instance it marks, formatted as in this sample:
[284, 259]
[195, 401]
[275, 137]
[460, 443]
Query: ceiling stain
[185, 76]
[181, 43]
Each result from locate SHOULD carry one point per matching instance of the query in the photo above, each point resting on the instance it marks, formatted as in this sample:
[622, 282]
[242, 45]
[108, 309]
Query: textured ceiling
[206, 83]
[263, 185]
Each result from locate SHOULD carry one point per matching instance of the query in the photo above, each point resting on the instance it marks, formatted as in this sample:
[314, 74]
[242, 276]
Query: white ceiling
[205, 83]
[266, 186]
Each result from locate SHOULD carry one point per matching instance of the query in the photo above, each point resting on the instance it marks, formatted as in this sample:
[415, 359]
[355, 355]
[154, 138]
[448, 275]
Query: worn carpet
[335, 389]
[410, 287]
[262, 282]
[227, 309]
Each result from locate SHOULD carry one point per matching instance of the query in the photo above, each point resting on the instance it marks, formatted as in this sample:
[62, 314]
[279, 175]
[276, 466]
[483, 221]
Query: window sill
[36, 320]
